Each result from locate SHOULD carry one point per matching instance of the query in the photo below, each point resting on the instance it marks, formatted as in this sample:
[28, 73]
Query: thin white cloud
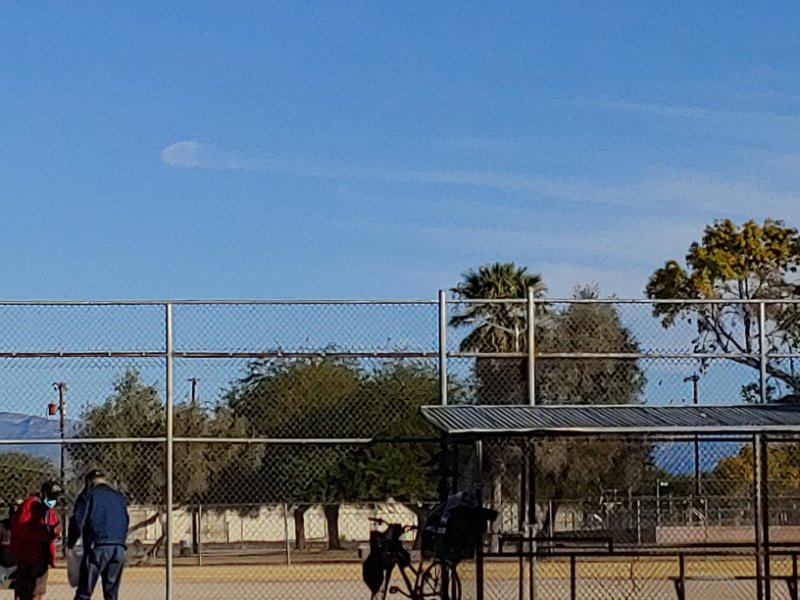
[687, 189]
[697, 113]
[644, 244]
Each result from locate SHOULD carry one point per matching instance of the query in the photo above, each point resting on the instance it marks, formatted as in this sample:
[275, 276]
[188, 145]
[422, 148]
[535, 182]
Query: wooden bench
[682, 578]
[680, 582]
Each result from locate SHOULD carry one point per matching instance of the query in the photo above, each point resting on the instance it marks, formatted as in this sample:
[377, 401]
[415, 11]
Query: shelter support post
[532, 523]
[479, 579]
[761, 517]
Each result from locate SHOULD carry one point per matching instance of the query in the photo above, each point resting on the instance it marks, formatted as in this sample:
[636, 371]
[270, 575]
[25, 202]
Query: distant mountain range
[675, 458]
[14, 426]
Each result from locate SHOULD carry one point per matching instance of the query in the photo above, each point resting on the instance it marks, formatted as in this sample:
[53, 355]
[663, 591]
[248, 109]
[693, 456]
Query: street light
[659, 485]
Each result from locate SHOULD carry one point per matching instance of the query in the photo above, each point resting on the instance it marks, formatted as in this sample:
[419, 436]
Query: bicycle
[437, 579]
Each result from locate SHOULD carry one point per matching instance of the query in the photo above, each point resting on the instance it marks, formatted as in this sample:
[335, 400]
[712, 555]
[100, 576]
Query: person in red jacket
[34, 531]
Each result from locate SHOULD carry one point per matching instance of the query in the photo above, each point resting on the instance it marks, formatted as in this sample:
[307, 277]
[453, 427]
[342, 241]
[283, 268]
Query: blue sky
[319, 150]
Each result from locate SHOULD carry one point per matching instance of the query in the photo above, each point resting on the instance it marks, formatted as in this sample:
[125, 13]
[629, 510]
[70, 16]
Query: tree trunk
[332, 517]
[496, 526]
[549, 513]
[299, 513]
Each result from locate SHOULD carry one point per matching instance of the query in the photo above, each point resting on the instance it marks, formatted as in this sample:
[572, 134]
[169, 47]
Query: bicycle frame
[411, 587]
[420, 573]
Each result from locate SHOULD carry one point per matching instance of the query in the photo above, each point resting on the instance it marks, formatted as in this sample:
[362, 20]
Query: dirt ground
[600, 580]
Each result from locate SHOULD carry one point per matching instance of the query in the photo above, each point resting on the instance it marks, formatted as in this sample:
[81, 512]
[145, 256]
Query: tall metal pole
[61, 387]
[695, 379]
[762, 473]
[522, 518]
[196, 524]
[533, 527]
[765, 517]
[762, 560]
[531, 308]
[169, 451]
[443, 347]
[762, 352]
[479, 580]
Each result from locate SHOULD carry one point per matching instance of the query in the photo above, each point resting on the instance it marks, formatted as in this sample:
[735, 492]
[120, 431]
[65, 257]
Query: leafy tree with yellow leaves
[738, 264]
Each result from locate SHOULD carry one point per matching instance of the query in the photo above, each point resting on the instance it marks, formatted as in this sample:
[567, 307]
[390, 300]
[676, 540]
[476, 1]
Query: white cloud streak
[689, 190]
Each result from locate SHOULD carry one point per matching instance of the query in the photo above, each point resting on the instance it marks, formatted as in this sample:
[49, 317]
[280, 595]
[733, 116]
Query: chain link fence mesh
[295, 423]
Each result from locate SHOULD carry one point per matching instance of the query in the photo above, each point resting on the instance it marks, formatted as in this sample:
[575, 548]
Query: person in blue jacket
[100, 519]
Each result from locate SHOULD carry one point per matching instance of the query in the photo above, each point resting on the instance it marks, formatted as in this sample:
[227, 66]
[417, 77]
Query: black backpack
[453, 528]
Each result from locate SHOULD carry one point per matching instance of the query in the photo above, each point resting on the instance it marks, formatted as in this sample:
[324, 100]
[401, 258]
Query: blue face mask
[50, 502]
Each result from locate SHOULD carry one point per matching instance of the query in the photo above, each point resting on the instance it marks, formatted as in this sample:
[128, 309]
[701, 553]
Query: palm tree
[498, 327]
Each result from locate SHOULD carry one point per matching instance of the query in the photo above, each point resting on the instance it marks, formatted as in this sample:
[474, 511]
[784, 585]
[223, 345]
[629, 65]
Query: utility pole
[194, 381]
[61, 409]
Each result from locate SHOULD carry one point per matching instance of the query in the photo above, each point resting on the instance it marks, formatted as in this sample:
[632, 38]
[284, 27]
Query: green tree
[305, 399]
[737, 263]
[390, 399]
[589, 328]
[134, 409]
[497, 327]
[398, 470]
[329, 397]
[569, 468]
[394, 394]
[22, 474]
[738, 471]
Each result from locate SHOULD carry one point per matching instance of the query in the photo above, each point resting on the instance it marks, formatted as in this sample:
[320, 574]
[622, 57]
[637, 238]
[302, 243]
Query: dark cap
[52, 489]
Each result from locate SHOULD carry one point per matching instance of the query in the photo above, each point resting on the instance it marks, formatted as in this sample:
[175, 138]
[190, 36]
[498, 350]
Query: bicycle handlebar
[406, 528]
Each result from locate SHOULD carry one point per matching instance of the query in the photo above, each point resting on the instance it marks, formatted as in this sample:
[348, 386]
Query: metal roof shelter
[473, 423]
[501, 421]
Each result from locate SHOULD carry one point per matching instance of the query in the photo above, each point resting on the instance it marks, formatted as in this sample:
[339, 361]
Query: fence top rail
[645, 301]
[213, 301]
[384, 301]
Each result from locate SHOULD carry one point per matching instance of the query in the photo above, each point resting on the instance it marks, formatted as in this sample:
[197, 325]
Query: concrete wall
[268, 524]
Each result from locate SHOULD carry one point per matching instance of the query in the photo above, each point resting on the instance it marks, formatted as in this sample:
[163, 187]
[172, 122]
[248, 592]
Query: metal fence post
[286, 533]
[761, 459]
[169, 452]
[758, 517]
[533, 528]
[762, 351]
[479, 575]
[531, 308]
[443, 347]
[199, 535]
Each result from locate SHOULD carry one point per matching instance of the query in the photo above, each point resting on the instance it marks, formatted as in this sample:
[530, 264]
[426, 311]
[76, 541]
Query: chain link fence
[291, 424]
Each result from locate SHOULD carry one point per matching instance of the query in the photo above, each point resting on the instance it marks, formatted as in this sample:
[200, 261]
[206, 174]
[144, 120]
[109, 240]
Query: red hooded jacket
[34, 530]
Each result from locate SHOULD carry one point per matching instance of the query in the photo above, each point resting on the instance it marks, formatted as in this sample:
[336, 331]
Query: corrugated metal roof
[620, 419]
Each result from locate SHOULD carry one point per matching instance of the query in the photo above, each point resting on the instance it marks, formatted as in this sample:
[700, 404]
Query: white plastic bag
[74, 558]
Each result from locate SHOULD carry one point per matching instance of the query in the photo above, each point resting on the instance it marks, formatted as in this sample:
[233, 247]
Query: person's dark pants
[31, 579]
[104, 563]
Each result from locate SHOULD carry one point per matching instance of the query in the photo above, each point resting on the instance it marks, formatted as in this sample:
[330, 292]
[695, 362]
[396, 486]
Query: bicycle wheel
[431, 584]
